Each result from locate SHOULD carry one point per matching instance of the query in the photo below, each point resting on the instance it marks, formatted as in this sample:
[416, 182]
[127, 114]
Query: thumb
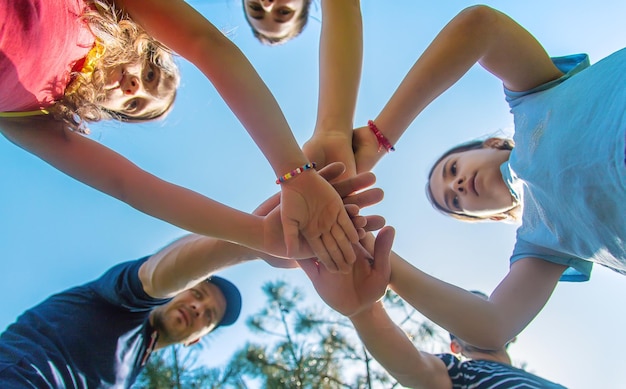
[332, 171]
[382, 248]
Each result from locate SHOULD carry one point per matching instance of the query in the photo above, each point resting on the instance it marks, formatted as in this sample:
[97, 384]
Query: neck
[496, 356]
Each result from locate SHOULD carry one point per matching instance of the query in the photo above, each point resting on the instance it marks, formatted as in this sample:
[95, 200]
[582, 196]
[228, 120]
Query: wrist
[367, 314]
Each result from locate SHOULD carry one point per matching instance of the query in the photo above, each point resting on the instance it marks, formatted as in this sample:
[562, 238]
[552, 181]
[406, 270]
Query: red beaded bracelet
[382, 141]
[295, 172]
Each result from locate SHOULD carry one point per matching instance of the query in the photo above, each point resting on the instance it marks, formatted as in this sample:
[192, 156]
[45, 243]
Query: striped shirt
[482, 374]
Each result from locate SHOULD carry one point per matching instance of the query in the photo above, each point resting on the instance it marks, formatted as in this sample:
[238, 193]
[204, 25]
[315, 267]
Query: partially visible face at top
[470, 183]
[138, 90]
[273, 18]
[190, 315]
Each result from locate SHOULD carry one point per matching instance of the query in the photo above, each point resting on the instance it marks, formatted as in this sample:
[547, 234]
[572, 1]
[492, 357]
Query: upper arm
[513, 54]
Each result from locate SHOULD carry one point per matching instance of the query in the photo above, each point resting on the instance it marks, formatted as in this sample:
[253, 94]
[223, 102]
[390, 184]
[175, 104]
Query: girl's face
[470, 183]
[137, 90]
[273, 18]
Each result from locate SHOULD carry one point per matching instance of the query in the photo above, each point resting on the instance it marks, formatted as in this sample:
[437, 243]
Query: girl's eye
[132, 105]
[196, 294]
[285, 11]
[150, 75]
[255, 7]
[455, 202]
[453, 169]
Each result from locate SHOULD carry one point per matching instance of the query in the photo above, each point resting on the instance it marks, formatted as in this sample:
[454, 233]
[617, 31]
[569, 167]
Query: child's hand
[311, 206]
[327, 147]
[353, 292]
[274, 238]
[365, 146]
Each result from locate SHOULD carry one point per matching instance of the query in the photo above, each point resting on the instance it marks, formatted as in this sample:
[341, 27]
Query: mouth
[185, 316]
[472, 184]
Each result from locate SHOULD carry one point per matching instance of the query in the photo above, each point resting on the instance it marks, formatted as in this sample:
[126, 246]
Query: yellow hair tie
[92, 58]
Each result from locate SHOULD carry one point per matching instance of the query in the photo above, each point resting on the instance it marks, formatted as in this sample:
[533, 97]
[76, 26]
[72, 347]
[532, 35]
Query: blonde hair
[125, 42]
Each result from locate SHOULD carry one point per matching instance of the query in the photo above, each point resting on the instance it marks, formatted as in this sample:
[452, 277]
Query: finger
[374, 223]
[345, 223]
[332, 171]
[359, 222]
[267, 206]
[322, 254]
[344, 245]
[355, 183]
[352, 210]
[365, 198]
[335, 251]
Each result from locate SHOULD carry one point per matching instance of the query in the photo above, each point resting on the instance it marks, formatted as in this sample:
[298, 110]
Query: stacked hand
[351, 293]
[352, 202]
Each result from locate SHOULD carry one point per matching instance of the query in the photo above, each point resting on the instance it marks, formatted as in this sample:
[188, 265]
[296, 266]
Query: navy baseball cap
[233, 300]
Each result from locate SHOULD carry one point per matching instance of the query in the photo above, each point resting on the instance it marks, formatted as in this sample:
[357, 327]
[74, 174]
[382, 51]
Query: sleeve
[578, 269]
[121, 286]
[455, 368]
[569, 65]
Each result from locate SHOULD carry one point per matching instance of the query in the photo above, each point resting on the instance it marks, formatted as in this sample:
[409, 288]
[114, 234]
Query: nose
[458, 185]
[267, 4]
[130, 85]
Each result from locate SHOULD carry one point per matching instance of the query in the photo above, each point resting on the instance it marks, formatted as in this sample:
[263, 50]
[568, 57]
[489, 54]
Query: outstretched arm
[357, 295]
[341, 55]
[309, 204]
[392, 348]
[487, 324]
[194, 257]
[477, 34]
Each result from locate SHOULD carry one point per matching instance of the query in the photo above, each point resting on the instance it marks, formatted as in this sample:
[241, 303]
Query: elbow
[478, 19]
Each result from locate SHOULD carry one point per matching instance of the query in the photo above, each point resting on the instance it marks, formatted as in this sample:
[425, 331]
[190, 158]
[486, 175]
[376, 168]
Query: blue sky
[56, 232]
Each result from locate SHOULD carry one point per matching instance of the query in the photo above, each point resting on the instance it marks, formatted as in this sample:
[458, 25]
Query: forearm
[188, 261]
[391, 347]
[107, 171]
[341, 57]
[191, 35]
[488, 324]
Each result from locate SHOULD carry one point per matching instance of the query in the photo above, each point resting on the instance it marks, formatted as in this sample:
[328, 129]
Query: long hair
[125, 42]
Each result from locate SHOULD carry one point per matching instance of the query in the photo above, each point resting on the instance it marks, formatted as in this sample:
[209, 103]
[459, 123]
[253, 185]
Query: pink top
[40, 42]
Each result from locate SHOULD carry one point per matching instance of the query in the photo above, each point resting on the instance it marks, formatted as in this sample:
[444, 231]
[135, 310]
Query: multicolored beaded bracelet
[382, 141]
[295, 172]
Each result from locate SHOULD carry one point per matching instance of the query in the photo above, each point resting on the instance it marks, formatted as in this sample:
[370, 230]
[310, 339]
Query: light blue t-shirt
[569, 157]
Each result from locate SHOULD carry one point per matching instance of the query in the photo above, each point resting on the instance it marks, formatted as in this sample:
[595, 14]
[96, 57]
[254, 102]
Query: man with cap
[101, 334]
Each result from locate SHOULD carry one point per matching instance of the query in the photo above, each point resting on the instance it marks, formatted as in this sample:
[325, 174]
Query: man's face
[190, 315]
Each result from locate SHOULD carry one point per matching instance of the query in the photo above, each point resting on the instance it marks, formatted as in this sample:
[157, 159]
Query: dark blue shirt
[482, 374]
[90, 336]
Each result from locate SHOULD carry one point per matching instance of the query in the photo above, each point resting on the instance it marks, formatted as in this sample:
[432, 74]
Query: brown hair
[297, 29]
[125, 43]
[505, 144]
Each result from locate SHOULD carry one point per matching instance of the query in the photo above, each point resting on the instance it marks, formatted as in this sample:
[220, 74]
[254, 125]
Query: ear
[187, 344]
[494, 143]
[455, 347]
